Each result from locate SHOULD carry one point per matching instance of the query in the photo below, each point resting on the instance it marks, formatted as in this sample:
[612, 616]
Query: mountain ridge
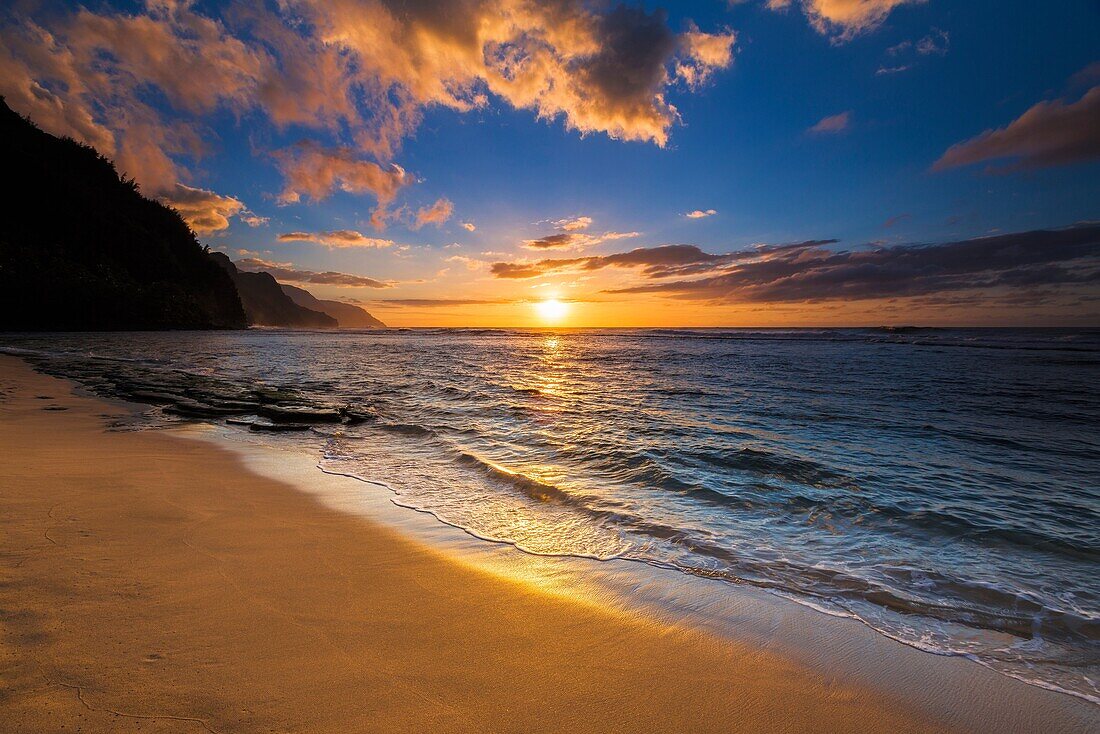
[81, 249]
[265, 303]
[348, 315]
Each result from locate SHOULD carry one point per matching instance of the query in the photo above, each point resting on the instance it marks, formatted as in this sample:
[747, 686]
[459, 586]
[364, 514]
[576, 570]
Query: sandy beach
[151, 583]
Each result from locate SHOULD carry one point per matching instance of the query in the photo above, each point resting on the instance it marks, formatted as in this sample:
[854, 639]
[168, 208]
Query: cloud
[40, 78]
[572, 224]
[139, 84]
[336, 238]
[575, 240]
[90, 74]
[252, 219]
[935, 43]
[703, 54]
[468, 226]
[701, 213]
[309, 82]
[437, 302]
[653, 262]
[882, 70]
[1051, 133]
[1049, 258]
[204, 211]
[1087, 77]
[900, 48]
[312, 170]
[436, 214]
[831, 125]
[470, 263]
[597, 72]
[843, 20]
[895, 220]
[286, 272]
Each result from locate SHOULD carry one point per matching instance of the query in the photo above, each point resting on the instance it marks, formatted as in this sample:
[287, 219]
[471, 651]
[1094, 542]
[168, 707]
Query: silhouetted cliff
[265, 304]
[348, 315]
[81, 249]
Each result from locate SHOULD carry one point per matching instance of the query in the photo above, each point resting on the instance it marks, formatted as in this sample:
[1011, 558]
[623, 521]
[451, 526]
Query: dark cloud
[1051, 133]
[286, 272]
[575, 240]
[550, 242]
[629, 68]
[434, 302]
[655, 262]
[1040, 258]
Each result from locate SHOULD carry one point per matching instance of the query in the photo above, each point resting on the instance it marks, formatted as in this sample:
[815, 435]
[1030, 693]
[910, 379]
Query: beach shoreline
[163, 583]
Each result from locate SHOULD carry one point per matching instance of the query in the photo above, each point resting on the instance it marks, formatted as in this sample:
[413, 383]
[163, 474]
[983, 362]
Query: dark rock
[279, 427]
[192, 409]
[300, 413]
[355, 416]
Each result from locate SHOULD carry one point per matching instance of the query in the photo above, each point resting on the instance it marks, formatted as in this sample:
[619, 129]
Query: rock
[300, 413]
[278, 427]
[355, 416]
[192, 409]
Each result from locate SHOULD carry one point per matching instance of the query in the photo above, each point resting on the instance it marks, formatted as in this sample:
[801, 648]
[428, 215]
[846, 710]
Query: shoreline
[954, 690]
[236, 590]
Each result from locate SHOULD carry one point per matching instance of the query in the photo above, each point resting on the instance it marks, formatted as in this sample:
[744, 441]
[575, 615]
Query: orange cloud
[39, 77]
[703, 54]
[252, 219]
[336, 238]
[844, 19]
[204, 211]
[1048, 134]
[315, 171]
[833, 124]
[575, 240]
[436, 214]
[701, 213]
[194, 60]
[597, 72]
[362, 69]
[573, 224]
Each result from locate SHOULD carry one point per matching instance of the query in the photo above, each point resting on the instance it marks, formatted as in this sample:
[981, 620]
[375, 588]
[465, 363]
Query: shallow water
[941, 485]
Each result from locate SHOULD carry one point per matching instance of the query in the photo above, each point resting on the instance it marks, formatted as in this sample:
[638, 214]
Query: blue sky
[901, 88]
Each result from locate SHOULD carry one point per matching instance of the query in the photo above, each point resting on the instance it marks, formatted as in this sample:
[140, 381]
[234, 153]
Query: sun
[552, 310]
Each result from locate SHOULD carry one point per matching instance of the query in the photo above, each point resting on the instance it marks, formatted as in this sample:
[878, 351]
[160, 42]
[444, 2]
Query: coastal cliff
[349, 315]
[265, 304]
[81, 249]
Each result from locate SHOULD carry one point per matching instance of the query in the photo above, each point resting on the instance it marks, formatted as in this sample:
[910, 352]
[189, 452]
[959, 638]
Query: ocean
[941, 485]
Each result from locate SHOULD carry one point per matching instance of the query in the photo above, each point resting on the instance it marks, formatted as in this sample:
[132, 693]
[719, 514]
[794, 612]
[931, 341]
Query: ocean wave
[865, 472]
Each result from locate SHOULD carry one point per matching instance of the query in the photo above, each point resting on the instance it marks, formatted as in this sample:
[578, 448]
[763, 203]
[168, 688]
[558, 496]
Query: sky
[710, 163]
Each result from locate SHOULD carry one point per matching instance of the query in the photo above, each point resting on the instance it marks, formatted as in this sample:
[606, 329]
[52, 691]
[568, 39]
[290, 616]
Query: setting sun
[552, 310]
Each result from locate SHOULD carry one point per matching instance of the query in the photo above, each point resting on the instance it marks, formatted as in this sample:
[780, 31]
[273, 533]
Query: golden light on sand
[552, 310]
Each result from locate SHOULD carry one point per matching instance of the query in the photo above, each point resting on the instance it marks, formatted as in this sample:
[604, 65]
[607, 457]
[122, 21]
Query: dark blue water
[943, 486]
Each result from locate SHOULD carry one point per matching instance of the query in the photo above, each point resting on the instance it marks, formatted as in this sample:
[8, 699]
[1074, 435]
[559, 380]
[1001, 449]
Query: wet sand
[153, 583]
